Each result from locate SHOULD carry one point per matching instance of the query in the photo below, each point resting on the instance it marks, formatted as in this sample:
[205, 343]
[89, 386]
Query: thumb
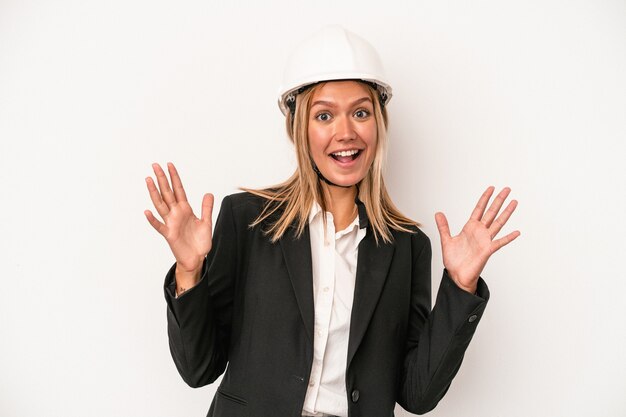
[442, 226]
[207, 208]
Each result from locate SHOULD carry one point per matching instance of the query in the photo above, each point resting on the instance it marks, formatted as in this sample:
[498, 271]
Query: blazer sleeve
[198, 321]
[437, 339]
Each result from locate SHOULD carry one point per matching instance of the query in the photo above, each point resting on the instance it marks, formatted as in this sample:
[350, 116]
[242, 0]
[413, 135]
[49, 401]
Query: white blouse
[334, 257]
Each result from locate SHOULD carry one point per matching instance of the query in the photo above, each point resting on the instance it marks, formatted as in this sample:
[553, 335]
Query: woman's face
[342, 131]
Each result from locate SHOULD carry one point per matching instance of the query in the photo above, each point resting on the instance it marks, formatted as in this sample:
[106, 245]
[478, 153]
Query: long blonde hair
[292, 200]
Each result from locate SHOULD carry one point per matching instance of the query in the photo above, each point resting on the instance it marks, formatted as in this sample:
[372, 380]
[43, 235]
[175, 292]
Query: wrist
[469, 285]
[469, 288]
[185, 279]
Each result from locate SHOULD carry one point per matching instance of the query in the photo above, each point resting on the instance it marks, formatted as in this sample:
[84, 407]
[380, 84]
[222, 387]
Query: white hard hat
[333, 53]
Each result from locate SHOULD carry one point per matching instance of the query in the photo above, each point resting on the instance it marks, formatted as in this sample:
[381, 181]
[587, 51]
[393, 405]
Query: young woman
[317, 292]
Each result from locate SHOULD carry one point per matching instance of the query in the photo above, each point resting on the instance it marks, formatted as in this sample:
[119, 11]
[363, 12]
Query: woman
[316, 292]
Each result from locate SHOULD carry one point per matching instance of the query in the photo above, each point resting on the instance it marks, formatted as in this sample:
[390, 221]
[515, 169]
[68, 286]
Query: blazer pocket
[225, 397]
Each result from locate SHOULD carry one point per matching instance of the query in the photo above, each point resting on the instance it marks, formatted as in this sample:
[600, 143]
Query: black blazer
[253, 310]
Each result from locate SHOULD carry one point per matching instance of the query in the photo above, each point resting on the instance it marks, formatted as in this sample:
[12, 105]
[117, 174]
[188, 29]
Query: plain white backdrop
[527, 94]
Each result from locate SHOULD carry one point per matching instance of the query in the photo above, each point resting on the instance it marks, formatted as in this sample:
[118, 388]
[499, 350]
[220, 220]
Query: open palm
[466, 254]
[189, 237]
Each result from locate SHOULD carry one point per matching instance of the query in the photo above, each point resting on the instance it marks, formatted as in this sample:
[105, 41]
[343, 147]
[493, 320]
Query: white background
[526, 94]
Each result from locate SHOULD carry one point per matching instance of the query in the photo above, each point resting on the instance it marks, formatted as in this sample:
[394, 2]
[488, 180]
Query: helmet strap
[323, 178]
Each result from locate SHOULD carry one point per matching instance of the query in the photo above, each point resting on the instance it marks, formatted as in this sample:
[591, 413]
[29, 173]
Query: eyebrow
[331, 104]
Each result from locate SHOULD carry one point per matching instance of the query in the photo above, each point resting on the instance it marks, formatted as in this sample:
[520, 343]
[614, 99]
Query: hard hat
[333, 53]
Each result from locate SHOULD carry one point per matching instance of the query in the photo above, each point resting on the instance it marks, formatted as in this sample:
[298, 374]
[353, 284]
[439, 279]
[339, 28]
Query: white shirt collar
[316, 210]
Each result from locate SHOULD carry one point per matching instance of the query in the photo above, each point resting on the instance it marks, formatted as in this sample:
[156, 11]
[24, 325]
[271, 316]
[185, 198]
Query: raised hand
[466, 254]
[189, 238]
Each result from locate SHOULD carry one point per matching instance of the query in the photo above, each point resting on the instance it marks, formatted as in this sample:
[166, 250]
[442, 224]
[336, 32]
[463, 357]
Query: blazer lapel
[371, 272]
[297, 254]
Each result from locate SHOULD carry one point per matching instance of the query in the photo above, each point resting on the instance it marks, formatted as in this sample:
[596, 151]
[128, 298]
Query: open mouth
[346, 156]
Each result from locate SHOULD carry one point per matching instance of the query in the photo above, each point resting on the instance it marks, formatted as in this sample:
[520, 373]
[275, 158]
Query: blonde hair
[292, 200]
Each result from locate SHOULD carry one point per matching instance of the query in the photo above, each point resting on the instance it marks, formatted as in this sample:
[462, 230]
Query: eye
[361, 113]
[323, 117]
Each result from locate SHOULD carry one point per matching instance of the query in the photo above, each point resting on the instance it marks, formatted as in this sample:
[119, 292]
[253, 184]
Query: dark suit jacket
[253, 310]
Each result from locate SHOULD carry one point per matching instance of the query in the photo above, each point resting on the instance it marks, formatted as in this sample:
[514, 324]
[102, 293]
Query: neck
[341, 204]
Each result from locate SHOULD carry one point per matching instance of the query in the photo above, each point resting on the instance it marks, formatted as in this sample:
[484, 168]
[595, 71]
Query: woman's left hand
[465, 255]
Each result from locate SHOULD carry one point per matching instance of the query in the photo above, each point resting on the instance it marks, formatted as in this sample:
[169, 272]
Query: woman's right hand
[189, 238]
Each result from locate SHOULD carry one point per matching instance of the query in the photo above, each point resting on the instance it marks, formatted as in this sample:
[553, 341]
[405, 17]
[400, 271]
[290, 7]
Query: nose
[344, 129]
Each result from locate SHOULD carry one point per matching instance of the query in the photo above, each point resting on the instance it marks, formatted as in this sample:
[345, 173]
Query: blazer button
[473, 318]
[355, 395]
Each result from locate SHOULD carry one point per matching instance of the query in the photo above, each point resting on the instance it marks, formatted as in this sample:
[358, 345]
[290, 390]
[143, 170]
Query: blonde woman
[317, 292]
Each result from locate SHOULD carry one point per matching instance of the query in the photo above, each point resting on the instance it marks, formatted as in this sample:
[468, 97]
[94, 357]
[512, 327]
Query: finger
[442, 226]
[493, 210]
[158, 226]
[477, 214]
[164, 185]
[498, 223]
[155, 196]
[179, 191]
[207, 208]
[503, 241]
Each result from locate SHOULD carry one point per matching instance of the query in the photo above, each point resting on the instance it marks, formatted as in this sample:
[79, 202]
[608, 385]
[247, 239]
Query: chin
[343, 180]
